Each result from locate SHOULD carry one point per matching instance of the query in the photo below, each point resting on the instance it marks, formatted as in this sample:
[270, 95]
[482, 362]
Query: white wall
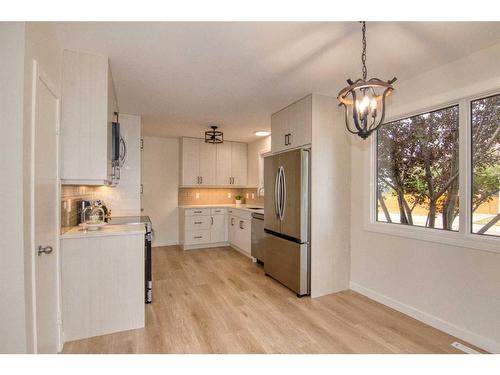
[329, 199]
[125, 199]
[12, 304]
[255, 149]
[160, 179]
[453, 288]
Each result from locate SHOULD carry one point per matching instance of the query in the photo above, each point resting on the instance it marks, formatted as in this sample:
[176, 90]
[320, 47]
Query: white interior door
[45, 213]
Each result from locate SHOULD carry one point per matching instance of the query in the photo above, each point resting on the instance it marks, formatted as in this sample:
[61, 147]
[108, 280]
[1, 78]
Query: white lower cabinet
[218, 226]
[202, 227]
[240, 230]
[102, 285]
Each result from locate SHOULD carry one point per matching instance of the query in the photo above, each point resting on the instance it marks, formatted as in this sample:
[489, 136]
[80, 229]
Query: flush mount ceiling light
[364, 100]
[214, 136]
[262, 133]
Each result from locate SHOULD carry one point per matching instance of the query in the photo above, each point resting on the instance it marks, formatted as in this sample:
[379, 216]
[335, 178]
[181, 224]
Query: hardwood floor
[218, 301]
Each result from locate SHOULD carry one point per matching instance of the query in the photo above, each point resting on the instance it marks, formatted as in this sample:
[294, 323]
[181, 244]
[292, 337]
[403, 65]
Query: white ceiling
[184, 76]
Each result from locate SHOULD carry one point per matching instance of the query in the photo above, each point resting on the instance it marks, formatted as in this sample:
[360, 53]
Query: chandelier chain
[363, 55]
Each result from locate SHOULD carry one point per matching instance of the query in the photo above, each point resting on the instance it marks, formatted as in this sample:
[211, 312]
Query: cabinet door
[190, 161]
[231, 229]
[207, 163]
[218, 229]
[299, 123]
[239, 163]
[245, 235]
[224, 164]
[278, 130]
[84, 117]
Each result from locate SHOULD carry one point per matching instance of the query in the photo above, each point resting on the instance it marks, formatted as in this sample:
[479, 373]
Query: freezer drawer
[288, 263]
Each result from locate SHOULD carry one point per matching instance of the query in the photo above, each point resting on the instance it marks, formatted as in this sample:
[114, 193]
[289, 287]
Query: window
[485, 131]
[418, 170]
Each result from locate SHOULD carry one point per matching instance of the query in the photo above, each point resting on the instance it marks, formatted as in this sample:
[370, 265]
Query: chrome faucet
[82, 219]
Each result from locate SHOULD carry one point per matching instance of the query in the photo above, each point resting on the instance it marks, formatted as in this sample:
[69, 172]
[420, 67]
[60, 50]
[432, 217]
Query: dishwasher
[258, 237]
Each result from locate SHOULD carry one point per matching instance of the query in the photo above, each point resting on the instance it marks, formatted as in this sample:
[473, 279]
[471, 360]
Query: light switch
[248, 195]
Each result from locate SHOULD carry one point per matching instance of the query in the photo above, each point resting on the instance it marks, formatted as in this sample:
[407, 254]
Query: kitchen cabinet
[218, 230]
[203, 227]
[232, 164]
[292, 126]
[102, 285]
[240, 230]
[206, 164]
[198, 162]
[239, 163]
[87, 111]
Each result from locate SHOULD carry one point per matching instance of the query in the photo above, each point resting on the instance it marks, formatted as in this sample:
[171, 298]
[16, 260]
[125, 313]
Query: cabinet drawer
[197, 222]
[218, 211]
[197, 237]
[197, 211]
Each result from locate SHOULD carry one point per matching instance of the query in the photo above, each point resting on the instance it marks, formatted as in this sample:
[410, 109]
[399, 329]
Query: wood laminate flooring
[218, 301]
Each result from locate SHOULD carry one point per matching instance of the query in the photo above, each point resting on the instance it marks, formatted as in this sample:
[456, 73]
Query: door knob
[44, 250]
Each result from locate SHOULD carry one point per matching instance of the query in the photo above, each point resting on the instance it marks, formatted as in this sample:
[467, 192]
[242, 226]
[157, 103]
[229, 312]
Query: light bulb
[363, 105]
[373, 104]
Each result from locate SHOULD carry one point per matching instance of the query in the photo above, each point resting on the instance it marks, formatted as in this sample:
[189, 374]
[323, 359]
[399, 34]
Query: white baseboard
[450, 328]
[204, 246]
[165, 243]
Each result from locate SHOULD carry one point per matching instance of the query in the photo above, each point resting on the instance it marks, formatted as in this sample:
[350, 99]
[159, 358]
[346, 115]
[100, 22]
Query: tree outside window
[485, 131]
[418, 170]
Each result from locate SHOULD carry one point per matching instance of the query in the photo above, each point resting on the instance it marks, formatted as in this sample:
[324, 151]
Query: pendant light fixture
[364, 100]
[214, 136]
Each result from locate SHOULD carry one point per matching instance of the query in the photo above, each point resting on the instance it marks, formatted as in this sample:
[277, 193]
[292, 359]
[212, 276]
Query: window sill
[471, 241]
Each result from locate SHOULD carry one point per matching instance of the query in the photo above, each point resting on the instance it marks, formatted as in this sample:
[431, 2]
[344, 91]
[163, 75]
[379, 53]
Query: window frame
[464, 237]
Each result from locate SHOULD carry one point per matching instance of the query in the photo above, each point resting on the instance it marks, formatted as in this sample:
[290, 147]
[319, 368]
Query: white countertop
[244, 207]
[107, 230]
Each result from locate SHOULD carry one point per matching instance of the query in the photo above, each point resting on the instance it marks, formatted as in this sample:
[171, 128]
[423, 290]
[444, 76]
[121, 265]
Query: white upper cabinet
[87, 111]
[198, 161]
[224, 174]
[239, 163]
[208, 159]
[292, 126]
[206, 164]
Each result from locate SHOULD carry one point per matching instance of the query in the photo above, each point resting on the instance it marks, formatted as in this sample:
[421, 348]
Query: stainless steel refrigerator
[286, 219]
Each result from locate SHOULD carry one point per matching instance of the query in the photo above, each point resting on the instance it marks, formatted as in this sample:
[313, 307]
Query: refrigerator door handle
[277, 194]
[283, 192]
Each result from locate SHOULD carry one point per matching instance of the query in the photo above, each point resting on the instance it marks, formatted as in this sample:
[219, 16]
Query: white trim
[205, 246]
[464, 237]
[434, 321]
[37, 75]
[165, 243]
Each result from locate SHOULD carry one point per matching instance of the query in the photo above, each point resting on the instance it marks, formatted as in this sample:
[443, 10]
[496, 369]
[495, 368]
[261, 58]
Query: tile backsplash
[189, 196]
[70, 194]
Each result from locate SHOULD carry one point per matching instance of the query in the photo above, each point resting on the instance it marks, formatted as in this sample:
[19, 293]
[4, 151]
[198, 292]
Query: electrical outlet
[253, 196]
[197, 195]
[229, 195]
[248, 195]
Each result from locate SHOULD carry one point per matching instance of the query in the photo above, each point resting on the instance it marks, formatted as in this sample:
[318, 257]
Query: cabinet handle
[289, 137]
[198, 236]
[232, 221]
[197, 212]
[212, 221]
[198, 222]
[201, 180]
[241, 225]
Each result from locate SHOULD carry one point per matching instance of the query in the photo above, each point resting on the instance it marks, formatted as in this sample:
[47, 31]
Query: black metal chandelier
[364, 100]
[214, 136]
